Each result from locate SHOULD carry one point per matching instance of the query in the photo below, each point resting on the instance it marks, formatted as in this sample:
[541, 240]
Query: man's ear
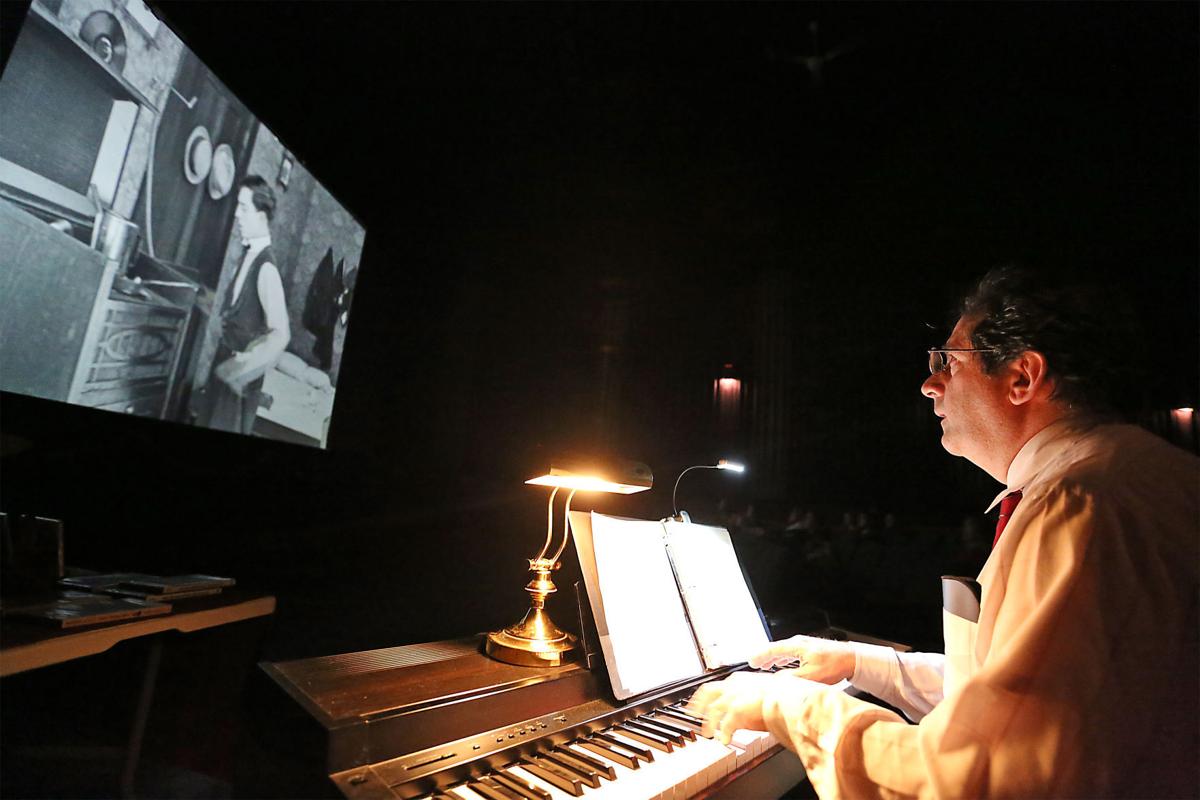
[1029, 377]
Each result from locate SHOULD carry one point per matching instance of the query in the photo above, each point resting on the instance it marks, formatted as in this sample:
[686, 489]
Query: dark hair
[264, 195]
[1088, 337]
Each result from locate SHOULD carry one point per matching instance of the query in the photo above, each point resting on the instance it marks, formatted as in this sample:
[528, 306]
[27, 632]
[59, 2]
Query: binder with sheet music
[669, 599]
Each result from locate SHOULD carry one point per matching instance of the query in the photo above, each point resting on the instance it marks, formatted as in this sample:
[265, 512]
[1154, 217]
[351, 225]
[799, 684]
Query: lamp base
[535, 641]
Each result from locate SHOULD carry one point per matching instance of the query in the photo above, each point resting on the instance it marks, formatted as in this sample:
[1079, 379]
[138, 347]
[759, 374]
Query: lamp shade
[593, 475]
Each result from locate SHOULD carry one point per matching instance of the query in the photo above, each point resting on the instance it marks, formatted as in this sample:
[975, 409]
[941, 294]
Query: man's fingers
[784, 652]
[768, 660]
[712, 721]
[804, 671]
[727, 727]
[703, 698]
[774, 655]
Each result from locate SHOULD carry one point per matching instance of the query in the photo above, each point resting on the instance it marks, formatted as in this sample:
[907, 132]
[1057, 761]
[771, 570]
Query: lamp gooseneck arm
[674, 507]
[566, 528]
[549, 525]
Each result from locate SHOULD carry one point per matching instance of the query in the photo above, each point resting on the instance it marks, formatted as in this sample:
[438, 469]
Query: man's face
[251, 222]
[973, 406]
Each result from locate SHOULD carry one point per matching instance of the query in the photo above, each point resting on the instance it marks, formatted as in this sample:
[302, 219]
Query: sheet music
[643, 630]
[723, 613]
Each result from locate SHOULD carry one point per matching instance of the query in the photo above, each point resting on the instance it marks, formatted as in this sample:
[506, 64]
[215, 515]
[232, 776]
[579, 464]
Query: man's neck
[258, 242]
[1034, 424]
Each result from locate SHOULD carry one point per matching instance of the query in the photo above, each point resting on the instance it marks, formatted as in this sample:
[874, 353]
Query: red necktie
[1007, 506]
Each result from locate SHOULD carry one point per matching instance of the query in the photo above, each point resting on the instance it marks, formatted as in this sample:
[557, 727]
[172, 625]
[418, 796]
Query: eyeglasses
[939, 361]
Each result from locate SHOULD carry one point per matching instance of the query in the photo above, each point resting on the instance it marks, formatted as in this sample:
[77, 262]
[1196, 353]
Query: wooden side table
[27, 645]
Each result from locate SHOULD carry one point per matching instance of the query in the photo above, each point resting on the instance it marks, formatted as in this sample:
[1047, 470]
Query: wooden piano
[442, 720]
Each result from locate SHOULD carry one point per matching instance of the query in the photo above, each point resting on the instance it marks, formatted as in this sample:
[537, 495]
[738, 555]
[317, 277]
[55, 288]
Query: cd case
[146, 594]
[176, 584]
[137, 584]
[76, 609]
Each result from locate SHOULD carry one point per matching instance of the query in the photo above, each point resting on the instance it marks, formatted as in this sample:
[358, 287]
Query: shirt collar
[256, 244]
[1036, 453]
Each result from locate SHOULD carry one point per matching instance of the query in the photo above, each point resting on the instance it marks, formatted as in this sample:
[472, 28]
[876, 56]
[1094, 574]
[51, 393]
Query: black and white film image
[161, 252]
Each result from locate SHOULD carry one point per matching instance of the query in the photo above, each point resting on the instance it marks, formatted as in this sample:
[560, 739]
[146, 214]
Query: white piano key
[690, 768]
[603, 748]
[682, 773]
[644, 754]
[492, 790]
[656, 774]
[584, 760]
[678, 775]
[720, 759]
[549, 772]
[750, 744]
[529, 777]
[587, 775]
[629, 784]
[464, 792]
[521, 788]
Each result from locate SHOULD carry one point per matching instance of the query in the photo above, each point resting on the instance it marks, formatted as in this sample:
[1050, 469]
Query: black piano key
[605, 770]
[553, 775]
[671, 726]
[657, 742]
[491, 791]
[581, 771]
[523, 788]
[603, 749]
[647, 726]
[681, 708]
[640, 752]
[697, 721]
[680, 719]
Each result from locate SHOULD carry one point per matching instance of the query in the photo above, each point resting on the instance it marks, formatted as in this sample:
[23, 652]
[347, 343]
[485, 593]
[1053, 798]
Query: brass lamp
[536, 641]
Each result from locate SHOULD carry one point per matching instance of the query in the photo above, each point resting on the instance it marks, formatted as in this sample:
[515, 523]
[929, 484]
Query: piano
[443, 721]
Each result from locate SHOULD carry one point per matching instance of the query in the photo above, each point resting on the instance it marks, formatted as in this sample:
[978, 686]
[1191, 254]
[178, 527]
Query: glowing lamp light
[627, 477]
[722, 464]
[536, 641]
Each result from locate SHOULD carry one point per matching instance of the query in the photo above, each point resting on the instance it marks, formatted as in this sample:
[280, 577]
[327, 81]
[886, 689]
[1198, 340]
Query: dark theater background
[582, 218]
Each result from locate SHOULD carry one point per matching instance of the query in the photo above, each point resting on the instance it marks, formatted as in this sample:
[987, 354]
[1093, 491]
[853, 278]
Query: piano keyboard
[660, 754]
[442, 720]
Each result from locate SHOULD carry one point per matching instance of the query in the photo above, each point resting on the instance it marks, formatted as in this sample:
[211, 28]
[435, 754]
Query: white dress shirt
[253, 248]
[1083, 678]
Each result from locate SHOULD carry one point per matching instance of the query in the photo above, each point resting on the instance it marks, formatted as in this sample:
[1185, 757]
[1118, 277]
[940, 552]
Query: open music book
[669, 599]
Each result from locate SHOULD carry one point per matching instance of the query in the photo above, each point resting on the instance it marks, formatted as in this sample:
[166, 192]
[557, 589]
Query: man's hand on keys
[821, 660]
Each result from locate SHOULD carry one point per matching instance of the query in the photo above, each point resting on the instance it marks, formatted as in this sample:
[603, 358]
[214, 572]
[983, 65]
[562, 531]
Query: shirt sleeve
[911, 682]
[1057, 708]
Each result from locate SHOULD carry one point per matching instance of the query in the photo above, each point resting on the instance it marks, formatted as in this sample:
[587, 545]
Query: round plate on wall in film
[103, 33]
[220, 177]
[197, 155]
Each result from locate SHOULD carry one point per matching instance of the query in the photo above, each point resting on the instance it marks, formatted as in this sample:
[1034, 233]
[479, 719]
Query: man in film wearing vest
[1075, 673]
[254, 318]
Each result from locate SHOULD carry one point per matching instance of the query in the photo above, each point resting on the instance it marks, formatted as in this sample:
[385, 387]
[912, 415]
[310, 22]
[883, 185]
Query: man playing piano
[1079, 675]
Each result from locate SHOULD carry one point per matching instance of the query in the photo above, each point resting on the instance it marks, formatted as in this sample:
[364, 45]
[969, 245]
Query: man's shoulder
[268, 271]
[1118, 464]
[1124, 446]
[265, 255]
